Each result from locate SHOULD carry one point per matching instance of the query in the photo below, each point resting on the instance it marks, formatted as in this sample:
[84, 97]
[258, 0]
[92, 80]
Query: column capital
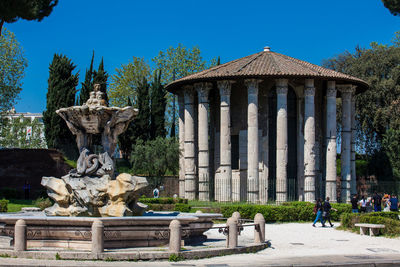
[188, 94]
[309, 91]
[346, 89]
[331, 89]
[203, 89]
[281, 86]
[225, 87]
[252, 85]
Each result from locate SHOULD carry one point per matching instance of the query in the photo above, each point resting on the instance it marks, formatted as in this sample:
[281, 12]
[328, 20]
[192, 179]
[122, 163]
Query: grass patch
[16, 205]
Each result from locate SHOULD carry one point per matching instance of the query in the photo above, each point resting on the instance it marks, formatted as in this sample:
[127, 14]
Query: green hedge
[169, 207]
[3, 205]
[392, 226]
[162, 200]
[287, 212]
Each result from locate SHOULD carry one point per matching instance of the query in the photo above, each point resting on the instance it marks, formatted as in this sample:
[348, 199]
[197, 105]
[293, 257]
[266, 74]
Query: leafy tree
[158, 102]
[100, 77]
[60, 93]
[393, 6]
[177, 63]
[124, 84]
[12, 66]
[12, 10]
[87, 85]
[13, 133]
[391, 145]
[155, 157]
[379, 66]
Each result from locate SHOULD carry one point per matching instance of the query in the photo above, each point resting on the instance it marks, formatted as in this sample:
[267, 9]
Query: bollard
[236, 215]
[97, 236]
[259, 232]
[175, 236]
[20, 236]
[232, 224]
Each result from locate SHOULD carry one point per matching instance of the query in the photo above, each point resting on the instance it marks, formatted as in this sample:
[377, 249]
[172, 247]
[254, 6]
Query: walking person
[394, 203]
[318, 209]
[363, 204]
[354, 204]
[326, 214]
[377, 200]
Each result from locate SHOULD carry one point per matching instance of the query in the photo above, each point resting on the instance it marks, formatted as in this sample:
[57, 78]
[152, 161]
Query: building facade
[263, 128]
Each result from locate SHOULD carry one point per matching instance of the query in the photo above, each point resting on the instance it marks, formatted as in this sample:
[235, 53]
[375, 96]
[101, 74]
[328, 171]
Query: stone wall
[20, 165]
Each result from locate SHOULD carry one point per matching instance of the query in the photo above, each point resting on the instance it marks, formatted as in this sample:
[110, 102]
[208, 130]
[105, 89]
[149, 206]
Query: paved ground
[292, 244]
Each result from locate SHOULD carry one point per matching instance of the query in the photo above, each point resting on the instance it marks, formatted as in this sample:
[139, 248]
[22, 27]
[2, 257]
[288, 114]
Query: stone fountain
[91, 189]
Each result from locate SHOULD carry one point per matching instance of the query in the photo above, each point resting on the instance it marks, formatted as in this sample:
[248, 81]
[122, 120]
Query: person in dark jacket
[318, 210]
[326, 214]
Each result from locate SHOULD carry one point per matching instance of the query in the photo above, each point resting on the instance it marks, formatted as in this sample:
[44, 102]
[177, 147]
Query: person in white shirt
[363, 204]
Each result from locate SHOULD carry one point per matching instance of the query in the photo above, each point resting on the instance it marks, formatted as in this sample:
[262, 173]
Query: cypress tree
[60, 93]
[158, 104]
[100, 77]
[87, 85]
[142, 121]
[126, 139]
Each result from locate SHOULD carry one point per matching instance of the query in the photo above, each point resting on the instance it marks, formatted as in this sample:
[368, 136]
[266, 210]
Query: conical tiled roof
[266, 64]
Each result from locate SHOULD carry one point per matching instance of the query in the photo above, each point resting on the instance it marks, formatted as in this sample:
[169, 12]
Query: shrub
[3, 205]
[288, 212]
[182, 207]
[162, 200]
[43, 203]
[392, 226]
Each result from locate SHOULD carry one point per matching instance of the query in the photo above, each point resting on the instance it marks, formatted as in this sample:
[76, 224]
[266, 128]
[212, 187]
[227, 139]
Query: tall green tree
[100, 77]
[60, 94]
[12, 67]
[126, 140]
[393, 6]
[158, 103]
[379, 66]
[126, 80]
[142, 121]
[12, 10]
[177, 63]
[87, 85]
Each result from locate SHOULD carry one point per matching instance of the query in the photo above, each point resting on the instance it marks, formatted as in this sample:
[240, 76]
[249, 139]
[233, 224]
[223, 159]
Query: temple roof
[267, 64]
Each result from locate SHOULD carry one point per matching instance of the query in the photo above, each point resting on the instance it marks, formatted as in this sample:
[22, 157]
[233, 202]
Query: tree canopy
[124, 84]
[87, 85]
[12, 67]
[12, 10]
[393, 6]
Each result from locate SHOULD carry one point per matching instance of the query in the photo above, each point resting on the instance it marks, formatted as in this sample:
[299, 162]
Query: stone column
[346, 91]
[309, 141]
[331, 142]
[181, 103]
[204, 186]
[252, 141]
[300, 143]
[190, 168]
[223, 184]
[353, 184]
[281, 141]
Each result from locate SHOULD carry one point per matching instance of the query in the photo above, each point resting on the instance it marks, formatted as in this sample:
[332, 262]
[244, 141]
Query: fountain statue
[92, 188]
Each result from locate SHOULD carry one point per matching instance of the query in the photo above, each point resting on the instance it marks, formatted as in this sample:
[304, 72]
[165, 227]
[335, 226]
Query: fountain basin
[119, 232]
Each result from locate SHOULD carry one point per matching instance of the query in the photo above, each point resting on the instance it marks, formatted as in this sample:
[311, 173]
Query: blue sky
[309, 30]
